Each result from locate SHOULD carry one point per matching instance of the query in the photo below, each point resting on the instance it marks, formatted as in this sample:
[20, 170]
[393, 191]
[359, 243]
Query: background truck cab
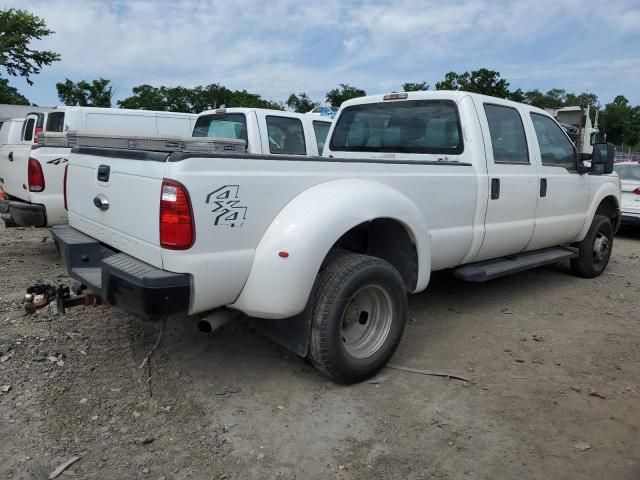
[272, 132]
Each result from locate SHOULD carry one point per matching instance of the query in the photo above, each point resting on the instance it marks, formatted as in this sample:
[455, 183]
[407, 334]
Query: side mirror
[602, 159]
[598, 137]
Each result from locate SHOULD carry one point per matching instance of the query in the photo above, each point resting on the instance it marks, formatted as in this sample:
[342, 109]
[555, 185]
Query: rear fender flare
[307, 228]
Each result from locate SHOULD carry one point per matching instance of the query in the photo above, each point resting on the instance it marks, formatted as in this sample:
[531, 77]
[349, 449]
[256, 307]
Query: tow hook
[59, 296]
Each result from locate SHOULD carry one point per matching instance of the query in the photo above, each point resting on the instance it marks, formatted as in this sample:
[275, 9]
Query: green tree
[343, 93]
[415, 87]
[517, 96]
[10, 95]
[98, 93]
[193, 100]
[487, 82]
[242, 98]
[17, 29]
[621, 122]
[301, 103]
[584, 99]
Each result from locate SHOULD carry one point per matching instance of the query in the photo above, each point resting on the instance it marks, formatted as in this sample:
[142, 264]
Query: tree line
[619, 119]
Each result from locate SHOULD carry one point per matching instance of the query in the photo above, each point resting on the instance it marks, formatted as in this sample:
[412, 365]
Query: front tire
[595, 250]
[358, 316]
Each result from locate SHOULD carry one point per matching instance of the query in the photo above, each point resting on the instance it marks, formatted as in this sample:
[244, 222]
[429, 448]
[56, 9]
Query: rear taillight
[35, 176]
[637, 191]
[35, 135]
[177, 231]
[64, 186]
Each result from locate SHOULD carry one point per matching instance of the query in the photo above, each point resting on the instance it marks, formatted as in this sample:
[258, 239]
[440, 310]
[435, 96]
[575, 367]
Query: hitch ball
[28, 298]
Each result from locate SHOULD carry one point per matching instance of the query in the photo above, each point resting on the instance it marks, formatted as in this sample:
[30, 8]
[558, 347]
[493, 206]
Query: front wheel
[358, 316]
[595, 250]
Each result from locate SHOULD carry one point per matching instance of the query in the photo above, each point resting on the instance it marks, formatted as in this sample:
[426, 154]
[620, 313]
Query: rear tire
[358, 315]
[595, 250]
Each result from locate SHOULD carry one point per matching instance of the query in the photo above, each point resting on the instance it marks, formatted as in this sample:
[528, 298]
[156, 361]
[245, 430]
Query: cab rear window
[229, 125]
[55, 122]
[413, 126]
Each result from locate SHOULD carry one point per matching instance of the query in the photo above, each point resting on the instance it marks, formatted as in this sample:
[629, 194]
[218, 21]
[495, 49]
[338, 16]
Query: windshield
[413, 126]
[628, 171]
[55, 122]
[227, 125]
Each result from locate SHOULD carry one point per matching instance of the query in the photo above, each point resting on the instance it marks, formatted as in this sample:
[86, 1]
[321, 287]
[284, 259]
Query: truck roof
[266, 111]
[455, 95]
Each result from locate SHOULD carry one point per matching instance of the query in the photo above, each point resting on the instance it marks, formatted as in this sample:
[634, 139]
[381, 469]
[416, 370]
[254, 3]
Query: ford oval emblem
[101, 202]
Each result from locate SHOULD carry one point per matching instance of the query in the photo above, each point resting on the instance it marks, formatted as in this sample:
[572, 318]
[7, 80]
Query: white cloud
[282, 46]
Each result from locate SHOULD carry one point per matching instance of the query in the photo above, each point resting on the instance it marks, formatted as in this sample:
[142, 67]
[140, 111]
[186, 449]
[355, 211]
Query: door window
[322, 130]
[286, 136]
[508, 140]
[555, 148]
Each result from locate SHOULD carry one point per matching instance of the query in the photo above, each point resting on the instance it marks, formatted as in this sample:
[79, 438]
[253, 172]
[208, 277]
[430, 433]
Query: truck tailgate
[114, 196]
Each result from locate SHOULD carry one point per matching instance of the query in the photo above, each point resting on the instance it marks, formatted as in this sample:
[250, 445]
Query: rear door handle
[11, 156]
[495, 188]
[543, 187]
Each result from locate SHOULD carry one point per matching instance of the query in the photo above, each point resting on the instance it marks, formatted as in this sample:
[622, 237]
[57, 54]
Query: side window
[27, 132]
[508, 140]
[555, 148]
[322, 130]
[286, 136]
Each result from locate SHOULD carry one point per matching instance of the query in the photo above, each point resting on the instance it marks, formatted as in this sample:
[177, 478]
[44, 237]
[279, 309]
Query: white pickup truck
[323, 250]
[33, 174]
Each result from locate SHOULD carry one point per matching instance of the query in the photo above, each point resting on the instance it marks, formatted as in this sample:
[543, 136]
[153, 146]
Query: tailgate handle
[11, 156]
[103, 173]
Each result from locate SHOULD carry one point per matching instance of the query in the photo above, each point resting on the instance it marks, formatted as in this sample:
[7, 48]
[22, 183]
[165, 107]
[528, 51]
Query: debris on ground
[582, 446]
[63, 467]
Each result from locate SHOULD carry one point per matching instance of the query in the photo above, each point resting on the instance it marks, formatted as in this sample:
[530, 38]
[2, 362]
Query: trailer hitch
[59, 297]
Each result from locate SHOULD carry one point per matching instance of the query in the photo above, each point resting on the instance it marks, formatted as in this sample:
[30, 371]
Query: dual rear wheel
[358, 316]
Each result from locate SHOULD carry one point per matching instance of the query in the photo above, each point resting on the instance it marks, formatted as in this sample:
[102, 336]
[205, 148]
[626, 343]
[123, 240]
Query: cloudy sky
[275, 47]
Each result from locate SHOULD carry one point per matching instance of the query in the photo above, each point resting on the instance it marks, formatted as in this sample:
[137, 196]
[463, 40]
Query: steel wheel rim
[601, 247]
[366, 321]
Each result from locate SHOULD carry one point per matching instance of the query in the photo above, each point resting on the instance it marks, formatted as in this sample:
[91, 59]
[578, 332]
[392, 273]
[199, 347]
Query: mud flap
[292, 333]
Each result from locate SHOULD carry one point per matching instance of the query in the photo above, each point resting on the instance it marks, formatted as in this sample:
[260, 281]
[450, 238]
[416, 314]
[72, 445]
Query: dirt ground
[553, 363]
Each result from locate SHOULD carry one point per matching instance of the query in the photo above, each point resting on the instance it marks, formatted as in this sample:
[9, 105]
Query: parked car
[32, 174]
[325, 249]
[629, 173]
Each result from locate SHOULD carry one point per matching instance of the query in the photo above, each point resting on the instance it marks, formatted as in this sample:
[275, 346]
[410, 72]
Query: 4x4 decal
[58, 161]
[228, 211]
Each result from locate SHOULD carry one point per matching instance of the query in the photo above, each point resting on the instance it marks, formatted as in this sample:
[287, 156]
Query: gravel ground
[553, 363]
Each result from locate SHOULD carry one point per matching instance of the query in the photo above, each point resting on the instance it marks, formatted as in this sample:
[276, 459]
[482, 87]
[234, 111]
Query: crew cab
[32, 172]
[322, 251]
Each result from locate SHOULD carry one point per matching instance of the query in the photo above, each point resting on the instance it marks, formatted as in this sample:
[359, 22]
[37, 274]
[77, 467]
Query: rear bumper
[120, 279]
[23, 214]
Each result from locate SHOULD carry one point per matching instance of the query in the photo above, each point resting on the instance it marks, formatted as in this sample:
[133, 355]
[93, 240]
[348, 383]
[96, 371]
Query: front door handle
[543, 187]
[495, 188]
[11, 156]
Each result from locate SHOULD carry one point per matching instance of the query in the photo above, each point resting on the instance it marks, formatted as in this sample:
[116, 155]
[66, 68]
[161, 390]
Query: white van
[32, 175]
